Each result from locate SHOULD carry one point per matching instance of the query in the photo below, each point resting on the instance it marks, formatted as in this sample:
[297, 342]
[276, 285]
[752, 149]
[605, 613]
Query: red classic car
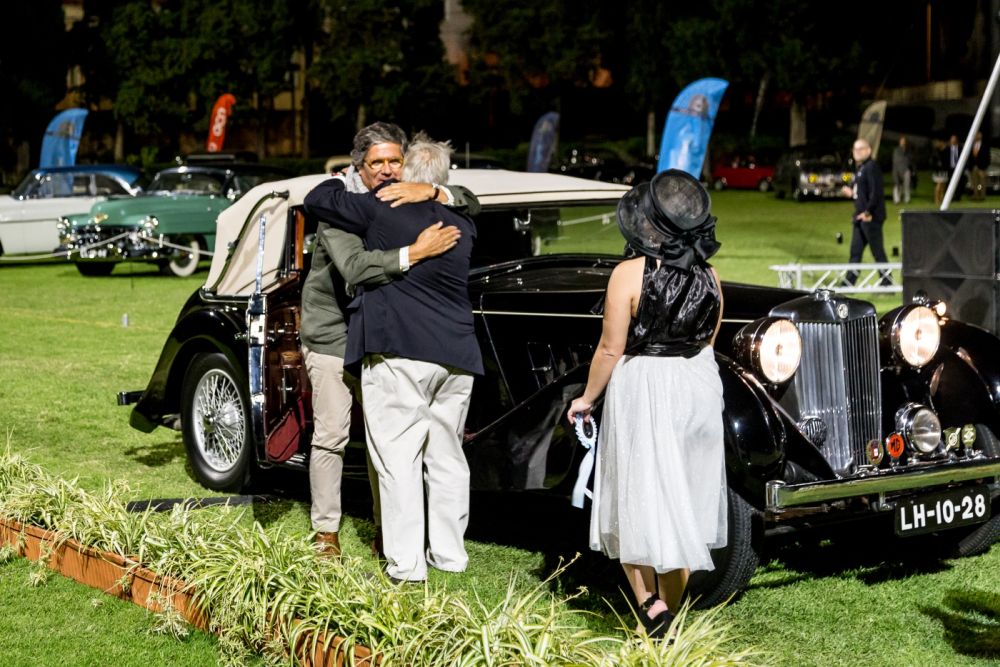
[742, 171]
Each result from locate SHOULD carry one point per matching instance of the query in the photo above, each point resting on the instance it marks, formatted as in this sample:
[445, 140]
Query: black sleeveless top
[677, 313]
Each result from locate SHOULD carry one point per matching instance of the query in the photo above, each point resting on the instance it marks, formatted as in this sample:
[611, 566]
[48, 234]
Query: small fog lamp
[920, 427]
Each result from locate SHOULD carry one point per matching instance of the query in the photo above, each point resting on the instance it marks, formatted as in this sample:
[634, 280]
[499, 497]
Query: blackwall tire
[185, 262]
[734, 564]
[977, 540]
[95, 269]
[215, 418]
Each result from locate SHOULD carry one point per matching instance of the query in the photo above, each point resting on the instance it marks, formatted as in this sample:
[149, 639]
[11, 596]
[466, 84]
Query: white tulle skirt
[660, 481]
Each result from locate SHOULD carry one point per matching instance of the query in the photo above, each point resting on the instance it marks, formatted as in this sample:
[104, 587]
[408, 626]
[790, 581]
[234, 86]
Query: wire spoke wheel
[218, 420]
[216, 423]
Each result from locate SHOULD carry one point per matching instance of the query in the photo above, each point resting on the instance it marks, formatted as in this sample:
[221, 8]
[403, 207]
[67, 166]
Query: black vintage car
[831, 413]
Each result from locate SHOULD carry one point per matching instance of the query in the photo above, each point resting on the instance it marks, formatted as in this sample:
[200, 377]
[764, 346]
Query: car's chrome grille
[838, 382]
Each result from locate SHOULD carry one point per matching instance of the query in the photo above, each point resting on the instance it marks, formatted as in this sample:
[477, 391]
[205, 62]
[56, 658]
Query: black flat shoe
[658, 626]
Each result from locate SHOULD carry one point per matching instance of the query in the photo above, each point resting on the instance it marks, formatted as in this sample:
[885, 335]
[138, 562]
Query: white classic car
[29, 215]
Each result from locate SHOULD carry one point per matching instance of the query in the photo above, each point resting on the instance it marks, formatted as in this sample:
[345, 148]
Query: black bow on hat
[670, 219]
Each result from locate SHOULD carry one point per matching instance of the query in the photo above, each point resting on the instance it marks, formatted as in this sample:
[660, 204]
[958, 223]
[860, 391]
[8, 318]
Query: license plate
[927, 514]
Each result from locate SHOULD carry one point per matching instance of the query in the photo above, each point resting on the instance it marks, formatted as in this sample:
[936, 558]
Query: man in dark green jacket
[339, 262]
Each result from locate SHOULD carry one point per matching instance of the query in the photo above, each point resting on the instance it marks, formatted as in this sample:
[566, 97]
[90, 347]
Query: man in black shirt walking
[869, 209]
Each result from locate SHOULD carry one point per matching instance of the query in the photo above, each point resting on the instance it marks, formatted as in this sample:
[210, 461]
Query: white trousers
[414, 419]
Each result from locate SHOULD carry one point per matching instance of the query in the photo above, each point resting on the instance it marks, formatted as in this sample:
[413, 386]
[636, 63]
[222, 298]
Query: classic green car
[172, 224]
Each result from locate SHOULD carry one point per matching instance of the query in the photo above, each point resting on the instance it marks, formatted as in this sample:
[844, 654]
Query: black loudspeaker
[955, 256]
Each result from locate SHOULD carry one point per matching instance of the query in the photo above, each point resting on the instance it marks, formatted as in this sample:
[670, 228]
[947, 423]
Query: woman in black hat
[660, 484]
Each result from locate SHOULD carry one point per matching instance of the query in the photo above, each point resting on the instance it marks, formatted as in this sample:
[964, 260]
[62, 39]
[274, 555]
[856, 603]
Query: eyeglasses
[378, 163]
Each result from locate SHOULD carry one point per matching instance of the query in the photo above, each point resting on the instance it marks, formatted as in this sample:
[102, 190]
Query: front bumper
[113, 244]
[781, 496]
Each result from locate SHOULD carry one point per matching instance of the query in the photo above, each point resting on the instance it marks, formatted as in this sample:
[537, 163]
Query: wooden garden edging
[127, 579]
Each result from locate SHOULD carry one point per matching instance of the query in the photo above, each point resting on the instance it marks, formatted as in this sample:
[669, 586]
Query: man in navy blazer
[416, 340]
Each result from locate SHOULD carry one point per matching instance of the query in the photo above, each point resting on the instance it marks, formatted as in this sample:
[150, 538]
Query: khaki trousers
[331, 403]
[414, 419]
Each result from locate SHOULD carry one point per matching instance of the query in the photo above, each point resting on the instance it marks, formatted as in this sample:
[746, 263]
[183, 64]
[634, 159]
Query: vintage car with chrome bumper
[832, 414]
[29, 214]
[171, 225]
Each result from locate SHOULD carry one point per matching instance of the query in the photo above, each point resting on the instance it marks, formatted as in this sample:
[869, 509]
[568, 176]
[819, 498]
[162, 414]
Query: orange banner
[217, 127]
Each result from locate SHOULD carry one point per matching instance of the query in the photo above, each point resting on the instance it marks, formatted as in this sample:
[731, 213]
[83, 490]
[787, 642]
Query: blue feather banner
[689, 126]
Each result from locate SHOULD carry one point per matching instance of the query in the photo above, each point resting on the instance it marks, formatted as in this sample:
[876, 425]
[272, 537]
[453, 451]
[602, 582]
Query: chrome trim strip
[781, 495]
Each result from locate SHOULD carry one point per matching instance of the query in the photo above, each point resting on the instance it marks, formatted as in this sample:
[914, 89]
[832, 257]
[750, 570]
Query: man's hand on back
[434, 240]
[407, 193]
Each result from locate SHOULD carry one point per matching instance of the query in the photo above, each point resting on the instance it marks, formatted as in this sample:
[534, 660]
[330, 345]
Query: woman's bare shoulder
[630, 266]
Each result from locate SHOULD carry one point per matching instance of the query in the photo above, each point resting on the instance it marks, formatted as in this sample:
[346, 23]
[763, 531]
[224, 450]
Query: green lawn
[65, 354]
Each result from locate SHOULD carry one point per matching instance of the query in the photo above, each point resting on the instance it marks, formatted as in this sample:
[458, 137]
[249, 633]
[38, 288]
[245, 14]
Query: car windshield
[514, 233]
[197, 182]
[43, 186]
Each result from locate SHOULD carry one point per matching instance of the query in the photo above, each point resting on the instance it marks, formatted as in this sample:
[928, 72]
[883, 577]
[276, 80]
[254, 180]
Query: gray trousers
[415, 419]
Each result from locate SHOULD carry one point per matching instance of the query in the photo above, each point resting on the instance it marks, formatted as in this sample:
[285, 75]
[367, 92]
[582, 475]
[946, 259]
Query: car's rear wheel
[719, 184]
[184, 263]
[764, 185]
[95, 268]
[215, 417]
[735, 563]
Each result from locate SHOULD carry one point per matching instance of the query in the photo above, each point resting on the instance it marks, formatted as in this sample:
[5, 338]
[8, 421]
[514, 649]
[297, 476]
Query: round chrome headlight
[920, 427]
[149, 225]
[772, 347]
[915, 335]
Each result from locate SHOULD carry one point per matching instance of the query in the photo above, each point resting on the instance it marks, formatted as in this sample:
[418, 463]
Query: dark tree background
[153, 68]
[33, 61]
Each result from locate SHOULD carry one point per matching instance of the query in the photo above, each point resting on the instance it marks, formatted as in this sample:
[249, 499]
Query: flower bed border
[127, 579]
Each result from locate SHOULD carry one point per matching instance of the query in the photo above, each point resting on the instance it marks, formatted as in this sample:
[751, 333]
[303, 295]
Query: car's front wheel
[95, 268]
[764, 185]
[215, 416]
[719, 184]
[735, 563]
[184, 263]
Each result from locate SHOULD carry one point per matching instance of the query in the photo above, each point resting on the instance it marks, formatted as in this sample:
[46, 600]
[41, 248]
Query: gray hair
[376, 133]
[427, 161]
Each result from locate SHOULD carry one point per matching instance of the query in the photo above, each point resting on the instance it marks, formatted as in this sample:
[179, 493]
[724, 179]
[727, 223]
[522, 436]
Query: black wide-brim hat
[669, 218]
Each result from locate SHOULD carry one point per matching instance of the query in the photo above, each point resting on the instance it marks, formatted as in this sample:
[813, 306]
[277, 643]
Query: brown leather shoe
[328, 544]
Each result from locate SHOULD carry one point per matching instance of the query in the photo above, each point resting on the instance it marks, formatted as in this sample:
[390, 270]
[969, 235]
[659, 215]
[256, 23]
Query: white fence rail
[870, 278]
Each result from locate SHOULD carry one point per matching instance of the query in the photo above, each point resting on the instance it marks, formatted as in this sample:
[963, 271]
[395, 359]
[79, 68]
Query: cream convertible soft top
[496, 188]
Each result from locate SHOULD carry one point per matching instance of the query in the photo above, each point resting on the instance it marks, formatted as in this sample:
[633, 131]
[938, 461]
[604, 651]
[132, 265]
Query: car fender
[978, 348]
[949, 385]
[197, 331]
[762, 440]
[755, 432]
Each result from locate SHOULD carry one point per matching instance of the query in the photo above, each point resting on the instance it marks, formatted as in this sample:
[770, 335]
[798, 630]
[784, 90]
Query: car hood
[133, 210]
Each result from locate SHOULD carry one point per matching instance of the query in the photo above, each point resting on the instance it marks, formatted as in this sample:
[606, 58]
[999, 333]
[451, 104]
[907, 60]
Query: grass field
[65, 354]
